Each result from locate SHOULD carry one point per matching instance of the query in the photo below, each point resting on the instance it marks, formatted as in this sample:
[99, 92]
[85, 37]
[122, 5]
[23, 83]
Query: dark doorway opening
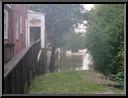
[34, 33]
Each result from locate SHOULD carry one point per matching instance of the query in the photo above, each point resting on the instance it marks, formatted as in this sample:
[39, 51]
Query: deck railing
[21, 69]
[8, 51]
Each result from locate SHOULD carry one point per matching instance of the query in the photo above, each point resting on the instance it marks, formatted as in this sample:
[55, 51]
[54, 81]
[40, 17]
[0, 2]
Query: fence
[21, 69]
[8, 51]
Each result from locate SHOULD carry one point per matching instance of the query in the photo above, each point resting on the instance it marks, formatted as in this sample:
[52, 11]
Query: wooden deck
[21, 69]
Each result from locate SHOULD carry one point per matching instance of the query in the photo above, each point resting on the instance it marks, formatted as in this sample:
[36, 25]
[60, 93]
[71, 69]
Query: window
[17, 27]
[5, 24]
[21, 25]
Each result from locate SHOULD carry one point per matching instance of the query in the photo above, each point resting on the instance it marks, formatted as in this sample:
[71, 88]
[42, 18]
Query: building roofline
[33, 12]
[8, 6]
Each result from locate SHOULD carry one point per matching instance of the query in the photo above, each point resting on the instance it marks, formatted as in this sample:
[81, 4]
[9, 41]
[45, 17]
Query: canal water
[86, 61]
[76, 61]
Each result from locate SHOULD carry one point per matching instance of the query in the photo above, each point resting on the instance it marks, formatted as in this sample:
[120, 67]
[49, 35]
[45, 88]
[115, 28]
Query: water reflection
[86, 60]
[80, 60]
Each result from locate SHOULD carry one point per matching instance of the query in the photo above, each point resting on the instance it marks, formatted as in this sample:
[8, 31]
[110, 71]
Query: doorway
[34, 33]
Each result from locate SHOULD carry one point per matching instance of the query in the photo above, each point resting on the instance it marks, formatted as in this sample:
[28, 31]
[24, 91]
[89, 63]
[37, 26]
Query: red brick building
[24, 41]
[15, 19]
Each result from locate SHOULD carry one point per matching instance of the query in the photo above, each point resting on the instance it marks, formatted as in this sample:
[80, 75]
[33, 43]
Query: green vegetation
[105, 38]
[74, 41]
[73, 82]
[60, 19]
[41, 68]
[104, 41]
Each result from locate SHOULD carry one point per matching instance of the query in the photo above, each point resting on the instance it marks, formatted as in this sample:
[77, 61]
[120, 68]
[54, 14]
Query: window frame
[21, 25]
[6, 22]
[17, 26]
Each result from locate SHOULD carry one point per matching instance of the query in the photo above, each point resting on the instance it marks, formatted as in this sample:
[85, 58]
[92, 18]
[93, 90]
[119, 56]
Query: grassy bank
[75, 82]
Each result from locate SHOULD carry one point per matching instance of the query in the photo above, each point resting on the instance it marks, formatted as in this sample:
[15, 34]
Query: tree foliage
[60, 19]
[74, 41]
[105, 37]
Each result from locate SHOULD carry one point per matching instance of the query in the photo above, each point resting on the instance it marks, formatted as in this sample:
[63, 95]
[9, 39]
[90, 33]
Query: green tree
[60, 19]
[104, 37]
[74, 41]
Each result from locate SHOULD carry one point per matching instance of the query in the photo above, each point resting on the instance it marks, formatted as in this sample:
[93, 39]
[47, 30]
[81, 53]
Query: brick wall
[19, 10]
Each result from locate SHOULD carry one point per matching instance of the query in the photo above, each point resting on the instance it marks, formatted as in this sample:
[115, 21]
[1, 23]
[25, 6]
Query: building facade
[36, 27]
[24, 38]
[15, 29]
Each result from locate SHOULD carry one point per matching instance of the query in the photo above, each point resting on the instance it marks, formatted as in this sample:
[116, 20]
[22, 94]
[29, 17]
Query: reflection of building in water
[86, 62]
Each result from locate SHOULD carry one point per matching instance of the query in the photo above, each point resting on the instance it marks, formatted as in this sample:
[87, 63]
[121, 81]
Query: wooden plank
[15, 60]
[21, 70]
